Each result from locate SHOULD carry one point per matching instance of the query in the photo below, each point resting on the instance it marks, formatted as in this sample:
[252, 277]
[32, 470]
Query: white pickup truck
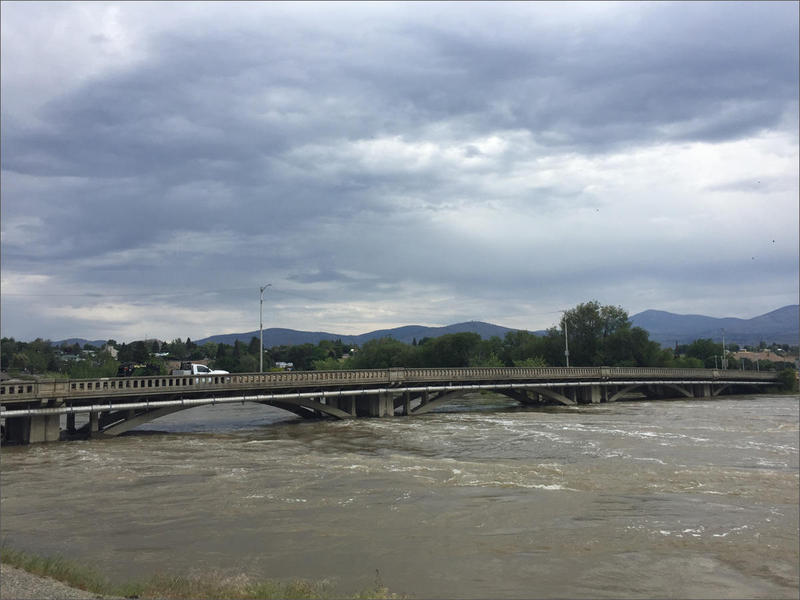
[188, 368]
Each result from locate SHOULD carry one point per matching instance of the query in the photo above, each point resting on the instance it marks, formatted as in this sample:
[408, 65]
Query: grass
[195, 586]
[57, 568]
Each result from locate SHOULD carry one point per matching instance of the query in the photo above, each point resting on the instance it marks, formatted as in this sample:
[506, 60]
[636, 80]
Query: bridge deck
[236, 383]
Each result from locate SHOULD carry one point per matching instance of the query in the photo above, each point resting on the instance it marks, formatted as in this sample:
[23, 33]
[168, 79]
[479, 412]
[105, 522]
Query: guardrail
[163, 384]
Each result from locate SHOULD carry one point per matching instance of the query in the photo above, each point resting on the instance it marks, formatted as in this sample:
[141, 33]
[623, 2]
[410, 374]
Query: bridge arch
[680, 389]
[443, 398]
[116, 423]
[620, 393]
[522, 395]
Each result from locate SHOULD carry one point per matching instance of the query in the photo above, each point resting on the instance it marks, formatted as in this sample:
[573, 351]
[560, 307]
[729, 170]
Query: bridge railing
[21, 391]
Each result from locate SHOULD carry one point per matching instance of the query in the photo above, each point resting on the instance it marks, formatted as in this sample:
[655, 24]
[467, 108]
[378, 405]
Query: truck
[190, 368]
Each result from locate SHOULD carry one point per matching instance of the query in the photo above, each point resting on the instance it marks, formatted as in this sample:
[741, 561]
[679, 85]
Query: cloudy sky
[392, 163]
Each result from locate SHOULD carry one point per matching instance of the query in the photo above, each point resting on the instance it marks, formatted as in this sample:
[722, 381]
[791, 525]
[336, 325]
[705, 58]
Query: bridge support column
[94, 424]
[35, 429]
[591, 394]
[350, 405]
[406, 403]
[381, 405]
[702, 390]
[18, 430]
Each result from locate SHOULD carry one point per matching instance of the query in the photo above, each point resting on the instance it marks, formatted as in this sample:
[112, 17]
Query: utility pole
[261, 328]
[724, 353]
[566, 340]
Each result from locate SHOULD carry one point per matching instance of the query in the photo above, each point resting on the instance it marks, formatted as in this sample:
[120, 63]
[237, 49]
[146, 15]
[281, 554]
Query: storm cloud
[388, 164]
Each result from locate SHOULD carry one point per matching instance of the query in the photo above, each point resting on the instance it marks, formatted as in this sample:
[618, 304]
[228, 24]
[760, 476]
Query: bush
[788, 380]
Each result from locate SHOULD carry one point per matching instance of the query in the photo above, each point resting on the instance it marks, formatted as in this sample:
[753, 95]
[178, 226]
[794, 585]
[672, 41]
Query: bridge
[32, 411]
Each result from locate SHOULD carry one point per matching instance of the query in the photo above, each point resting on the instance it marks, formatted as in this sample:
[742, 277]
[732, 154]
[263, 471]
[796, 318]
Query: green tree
[788, 379]
[451, 350]
[20, 361]
[177, 349]
[382, 353]
[252, 347]
[247, 364]
[705, 350]
[532, 362]
[331, 364]
[589, 325]
[209, 350]
[136, 352]
[8, 346]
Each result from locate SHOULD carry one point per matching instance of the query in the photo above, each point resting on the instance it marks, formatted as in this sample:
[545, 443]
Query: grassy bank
[163, 586]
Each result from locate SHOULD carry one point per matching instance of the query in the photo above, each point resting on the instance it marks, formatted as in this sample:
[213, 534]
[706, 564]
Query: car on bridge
[189, 368]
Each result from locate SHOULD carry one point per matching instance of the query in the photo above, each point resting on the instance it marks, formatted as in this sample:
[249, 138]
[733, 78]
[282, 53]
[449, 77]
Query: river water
[677, 498]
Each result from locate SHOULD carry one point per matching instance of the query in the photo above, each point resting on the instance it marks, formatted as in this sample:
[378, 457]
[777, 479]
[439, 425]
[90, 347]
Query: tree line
[598, 335]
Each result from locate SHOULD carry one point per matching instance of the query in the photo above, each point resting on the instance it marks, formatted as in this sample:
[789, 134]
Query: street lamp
[261, 328]
[566, 339]
[724, 353]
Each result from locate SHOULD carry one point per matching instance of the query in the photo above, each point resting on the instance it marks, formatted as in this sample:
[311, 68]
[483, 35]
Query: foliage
[57, 568]
[532, 362]
[788, 380]
[193, 586]
[598, 336]
[385, 353]
[603, 335]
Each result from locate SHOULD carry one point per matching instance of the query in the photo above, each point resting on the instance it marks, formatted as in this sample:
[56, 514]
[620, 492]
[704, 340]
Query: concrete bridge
[32, 411]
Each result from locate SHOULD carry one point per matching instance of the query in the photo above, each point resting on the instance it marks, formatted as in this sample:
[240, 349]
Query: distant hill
[82, 342]
[287, 337]
[781, 326]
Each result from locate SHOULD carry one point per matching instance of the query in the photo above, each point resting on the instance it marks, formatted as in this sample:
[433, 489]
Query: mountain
[287, 337]
[781, 326]
[81, 341]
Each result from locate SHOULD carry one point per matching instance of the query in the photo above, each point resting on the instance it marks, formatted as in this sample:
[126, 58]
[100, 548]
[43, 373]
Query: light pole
[566, 339]
[724, 353]
[261, 328]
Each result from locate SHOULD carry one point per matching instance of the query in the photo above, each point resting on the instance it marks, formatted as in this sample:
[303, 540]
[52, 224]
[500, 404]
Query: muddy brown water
[676, 498]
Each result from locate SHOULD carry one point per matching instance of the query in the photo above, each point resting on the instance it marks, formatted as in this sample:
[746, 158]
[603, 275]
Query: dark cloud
[368, 153]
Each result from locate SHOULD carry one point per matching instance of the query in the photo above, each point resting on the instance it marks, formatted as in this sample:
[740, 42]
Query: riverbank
[16, 584]
[26, 576]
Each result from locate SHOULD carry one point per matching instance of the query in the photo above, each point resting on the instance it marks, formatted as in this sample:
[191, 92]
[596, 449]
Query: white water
[684, 498]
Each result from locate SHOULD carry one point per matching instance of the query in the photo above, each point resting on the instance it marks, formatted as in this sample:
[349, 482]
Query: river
[682, 498]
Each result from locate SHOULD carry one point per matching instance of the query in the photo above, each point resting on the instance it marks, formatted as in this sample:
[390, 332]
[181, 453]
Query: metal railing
[21, 391]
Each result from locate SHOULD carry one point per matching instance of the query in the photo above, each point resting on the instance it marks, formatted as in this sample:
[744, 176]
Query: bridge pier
[33, 430]
[702, 390]
[71, 423]
[381, 405]
[94, 424]
[590, 394]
